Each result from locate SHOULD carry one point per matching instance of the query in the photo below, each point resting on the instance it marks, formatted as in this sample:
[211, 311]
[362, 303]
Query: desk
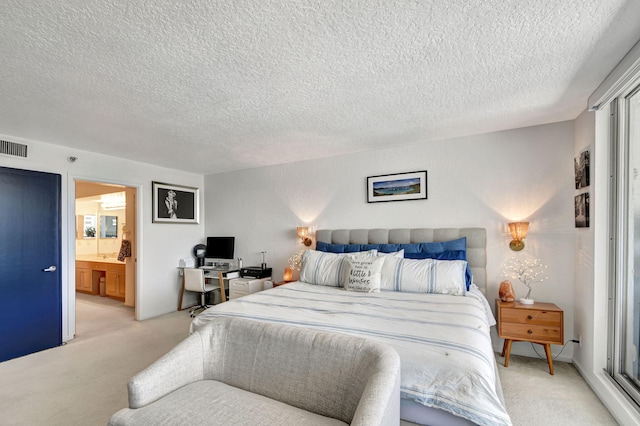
[211, 274]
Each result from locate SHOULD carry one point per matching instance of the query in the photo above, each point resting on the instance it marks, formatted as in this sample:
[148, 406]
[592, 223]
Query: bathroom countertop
[98, 258]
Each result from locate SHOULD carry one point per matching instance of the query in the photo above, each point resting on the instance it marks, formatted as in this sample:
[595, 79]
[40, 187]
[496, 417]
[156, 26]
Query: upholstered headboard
[476, 242]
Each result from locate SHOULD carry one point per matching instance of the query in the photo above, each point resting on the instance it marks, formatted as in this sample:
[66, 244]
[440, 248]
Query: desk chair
[194, 281]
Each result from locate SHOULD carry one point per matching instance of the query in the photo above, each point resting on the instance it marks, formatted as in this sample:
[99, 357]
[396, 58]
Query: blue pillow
[437, 247]
[351, 248]
[382, 248]
[441, 250]
[338, 248]
[443, 255]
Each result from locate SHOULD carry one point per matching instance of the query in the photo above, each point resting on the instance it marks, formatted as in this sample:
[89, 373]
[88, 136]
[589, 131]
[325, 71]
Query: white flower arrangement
[527, 271]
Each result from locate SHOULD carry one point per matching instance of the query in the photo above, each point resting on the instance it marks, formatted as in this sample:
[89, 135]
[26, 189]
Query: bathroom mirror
[108, 226]
[88, 225]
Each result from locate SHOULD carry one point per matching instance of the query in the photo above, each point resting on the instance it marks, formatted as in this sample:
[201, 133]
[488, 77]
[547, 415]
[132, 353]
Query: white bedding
[443, 341]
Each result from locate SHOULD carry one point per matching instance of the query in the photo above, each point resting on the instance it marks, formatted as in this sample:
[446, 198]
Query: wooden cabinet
[541, 323]
[116, 279]
[86, 279]
[88, 276]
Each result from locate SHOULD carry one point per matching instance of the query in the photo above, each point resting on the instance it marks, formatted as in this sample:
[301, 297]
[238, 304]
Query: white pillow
[363, 274]
[424, 276]
[323, 268]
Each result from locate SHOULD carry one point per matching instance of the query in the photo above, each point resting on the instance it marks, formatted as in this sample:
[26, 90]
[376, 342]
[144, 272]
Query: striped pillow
[424, 276]
[328, 269]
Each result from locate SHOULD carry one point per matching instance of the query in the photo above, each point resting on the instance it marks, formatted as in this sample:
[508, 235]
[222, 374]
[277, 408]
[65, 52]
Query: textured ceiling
[212, 86]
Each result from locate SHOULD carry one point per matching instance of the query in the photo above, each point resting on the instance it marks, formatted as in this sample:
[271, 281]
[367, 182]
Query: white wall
[160, 246]
[584, 238]
[483, 180]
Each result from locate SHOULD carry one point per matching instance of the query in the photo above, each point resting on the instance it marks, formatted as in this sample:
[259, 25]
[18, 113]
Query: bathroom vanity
[89, 270]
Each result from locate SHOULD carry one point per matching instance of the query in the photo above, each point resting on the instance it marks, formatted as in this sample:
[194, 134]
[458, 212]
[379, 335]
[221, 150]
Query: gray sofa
[244, 372]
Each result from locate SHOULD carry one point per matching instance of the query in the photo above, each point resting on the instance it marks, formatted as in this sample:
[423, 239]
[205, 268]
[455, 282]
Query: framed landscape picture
[174, 203]
[397, 187]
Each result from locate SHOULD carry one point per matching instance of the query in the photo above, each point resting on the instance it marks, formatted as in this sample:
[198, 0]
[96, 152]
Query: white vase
[526, 301]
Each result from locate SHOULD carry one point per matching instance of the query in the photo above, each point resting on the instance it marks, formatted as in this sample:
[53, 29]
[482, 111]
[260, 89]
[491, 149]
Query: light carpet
[85, 381]
[534, 397]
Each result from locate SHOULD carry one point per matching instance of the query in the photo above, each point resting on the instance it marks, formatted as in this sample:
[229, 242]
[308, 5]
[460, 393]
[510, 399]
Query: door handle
[51, 268]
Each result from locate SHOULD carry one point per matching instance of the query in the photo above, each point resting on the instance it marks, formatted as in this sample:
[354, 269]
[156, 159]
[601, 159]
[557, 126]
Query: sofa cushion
[209, 401]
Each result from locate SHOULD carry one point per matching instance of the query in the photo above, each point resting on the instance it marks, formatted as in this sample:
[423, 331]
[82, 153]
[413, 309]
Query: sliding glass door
[625, 345]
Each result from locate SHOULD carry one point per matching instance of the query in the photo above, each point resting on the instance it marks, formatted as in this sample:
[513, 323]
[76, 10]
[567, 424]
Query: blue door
[30, 284]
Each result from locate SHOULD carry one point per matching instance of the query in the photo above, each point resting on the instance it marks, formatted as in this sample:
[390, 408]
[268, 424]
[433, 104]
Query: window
[624, 339]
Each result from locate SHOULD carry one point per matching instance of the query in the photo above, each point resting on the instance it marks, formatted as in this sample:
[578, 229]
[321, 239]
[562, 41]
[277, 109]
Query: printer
[255, 272]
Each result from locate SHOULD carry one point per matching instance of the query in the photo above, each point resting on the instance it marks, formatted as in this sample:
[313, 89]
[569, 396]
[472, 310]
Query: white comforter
[443, 341]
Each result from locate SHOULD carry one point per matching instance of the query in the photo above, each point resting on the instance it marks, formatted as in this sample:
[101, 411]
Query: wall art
[175, 203]
[397, 187]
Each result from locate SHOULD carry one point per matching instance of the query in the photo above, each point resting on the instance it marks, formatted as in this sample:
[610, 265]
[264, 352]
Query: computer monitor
[220, 247]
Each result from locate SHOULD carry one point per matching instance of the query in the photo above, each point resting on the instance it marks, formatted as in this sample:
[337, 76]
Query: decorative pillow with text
[363, 273]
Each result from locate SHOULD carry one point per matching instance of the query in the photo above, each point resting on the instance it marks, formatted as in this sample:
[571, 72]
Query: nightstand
[541, 323]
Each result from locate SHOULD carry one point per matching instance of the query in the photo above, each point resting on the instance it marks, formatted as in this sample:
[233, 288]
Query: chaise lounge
[244, 372]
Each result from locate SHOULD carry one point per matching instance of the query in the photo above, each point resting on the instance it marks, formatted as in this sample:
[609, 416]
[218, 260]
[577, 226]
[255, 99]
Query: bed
[449, 374]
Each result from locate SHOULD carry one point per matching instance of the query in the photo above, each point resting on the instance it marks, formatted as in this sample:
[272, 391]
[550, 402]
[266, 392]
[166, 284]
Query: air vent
[12, 148]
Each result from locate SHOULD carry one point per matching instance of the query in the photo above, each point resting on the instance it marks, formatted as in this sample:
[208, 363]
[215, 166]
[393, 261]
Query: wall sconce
[518, 232]
[303, 233]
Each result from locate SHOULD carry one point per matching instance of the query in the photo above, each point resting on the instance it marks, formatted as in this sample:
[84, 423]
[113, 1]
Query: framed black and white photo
[581, 168]
[397, 187]
[175, 203]
[582, 210]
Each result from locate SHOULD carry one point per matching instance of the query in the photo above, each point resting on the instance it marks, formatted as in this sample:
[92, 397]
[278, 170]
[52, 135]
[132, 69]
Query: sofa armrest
[380, 401]
[179, 367]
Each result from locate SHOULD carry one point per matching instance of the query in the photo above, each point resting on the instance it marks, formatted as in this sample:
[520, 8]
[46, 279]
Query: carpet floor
[85, 381]
[533, 397]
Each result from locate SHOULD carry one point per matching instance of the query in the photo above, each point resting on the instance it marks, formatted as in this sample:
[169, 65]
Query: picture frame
[175, 203]
[581, 169]
[581, 202]
[397, 187]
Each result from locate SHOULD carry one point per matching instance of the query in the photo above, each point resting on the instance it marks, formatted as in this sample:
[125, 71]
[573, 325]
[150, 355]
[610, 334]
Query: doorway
[105, 245]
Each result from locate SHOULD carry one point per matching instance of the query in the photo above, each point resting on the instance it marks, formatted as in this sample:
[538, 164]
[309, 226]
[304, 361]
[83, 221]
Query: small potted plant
[528, 272]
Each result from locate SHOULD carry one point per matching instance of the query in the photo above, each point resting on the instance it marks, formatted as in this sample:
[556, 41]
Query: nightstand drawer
[531, 332]
[531, 316]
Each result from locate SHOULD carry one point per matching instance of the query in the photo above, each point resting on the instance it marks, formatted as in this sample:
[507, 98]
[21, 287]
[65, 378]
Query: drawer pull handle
[530, 317]
[529, 332]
